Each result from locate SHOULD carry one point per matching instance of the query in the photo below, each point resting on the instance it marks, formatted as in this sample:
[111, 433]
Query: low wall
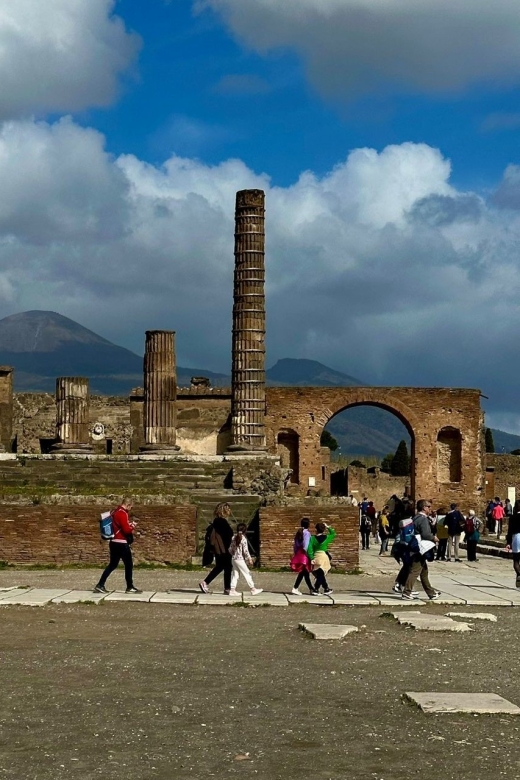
[65, 535]
[278, 526]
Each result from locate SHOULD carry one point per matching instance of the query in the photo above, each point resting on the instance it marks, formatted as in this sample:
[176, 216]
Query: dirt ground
[162, 691]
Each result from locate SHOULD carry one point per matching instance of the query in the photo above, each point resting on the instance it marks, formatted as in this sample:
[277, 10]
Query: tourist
[455, 523]
[300, 561]
[363, 506]
[513, 541]
[220, 540]
[508, 510]
[353, 500]
[365, 528]
[401, 553]
[120, 547]
[240, 557]
[372, 514]
[384, 530]
[418, 562]
[490, 522]
[472, 535]
[319, 556]
[498, 515]
[442, 535]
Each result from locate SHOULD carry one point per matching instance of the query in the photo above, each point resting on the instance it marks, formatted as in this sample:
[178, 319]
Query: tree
[490, 444]
[400, 466]
[328, 440]
[386, 463]
[357, 464]
[515, 452]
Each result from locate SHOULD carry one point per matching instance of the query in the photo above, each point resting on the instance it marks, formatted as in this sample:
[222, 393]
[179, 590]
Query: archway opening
[372, 453]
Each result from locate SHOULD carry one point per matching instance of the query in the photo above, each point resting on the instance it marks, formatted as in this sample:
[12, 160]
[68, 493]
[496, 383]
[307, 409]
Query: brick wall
[506, 474]
[279, 524]
[64, 535]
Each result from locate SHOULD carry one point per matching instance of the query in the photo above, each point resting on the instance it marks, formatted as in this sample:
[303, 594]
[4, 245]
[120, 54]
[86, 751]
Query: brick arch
[395, 407]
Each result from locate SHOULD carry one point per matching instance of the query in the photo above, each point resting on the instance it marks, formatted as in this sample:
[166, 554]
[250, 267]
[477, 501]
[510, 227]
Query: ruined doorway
[288, 447]
[368, 443]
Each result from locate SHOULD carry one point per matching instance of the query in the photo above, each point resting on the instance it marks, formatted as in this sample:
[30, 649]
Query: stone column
[160, 392]
[248, 366]
[72, 414]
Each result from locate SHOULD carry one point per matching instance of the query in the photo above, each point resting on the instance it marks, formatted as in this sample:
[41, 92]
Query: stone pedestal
[248, 356]
[160, 393]
[72, 415]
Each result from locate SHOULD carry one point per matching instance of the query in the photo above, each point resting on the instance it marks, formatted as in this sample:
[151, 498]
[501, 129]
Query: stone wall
[279, 524]
[505, 475]
[47, 534]
[376, 485]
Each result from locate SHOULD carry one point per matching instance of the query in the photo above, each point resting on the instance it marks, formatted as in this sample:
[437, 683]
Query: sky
[385, 134]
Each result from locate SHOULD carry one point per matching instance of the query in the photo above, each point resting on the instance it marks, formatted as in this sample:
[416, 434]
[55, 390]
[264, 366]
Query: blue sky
[385, 135]
[202, 93]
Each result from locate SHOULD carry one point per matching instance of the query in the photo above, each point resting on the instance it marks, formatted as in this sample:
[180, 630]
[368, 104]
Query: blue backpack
[106, 527]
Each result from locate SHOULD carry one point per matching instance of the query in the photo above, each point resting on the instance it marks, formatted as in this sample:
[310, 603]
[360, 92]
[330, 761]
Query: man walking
[119, 547]
[513, 543]
[419, 566]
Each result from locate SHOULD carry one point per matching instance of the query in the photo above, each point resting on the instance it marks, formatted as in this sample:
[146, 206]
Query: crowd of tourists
[419, 537]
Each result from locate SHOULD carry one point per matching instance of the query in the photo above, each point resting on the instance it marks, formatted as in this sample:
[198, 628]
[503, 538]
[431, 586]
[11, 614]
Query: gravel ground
[161, 691]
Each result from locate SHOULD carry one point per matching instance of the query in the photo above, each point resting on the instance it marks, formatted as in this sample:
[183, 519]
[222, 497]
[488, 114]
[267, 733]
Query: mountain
[42, 345]
[308, 373]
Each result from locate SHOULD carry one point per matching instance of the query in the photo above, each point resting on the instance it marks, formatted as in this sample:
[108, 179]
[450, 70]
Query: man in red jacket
[119, 547]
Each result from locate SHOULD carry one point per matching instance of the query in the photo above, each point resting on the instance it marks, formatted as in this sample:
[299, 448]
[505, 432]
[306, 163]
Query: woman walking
[240, 558]
[119, 547]
[300, 561]
[384, 531]
[319, 556]
[220, 538]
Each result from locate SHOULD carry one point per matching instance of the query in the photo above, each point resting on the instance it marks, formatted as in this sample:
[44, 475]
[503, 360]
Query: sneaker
[227, 592]
[256, 591]
[415, 594]
[328, 592]
[458, 560]
[435, 596]
[408, 596]
[317, 593]
[397, 588]
[133, 590]
[296, 592]
[233, 593]
[204, 588]
[100, 589]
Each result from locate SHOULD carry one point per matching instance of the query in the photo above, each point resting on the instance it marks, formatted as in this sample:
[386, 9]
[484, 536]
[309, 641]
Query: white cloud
[350, 46]
[381, 268]
[60, 55]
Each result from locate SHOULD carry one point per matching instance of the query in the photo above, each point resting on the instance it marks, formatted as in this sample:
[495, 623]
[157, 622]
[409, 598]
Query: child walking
[240, 557]
[300, 561]
[319, 556]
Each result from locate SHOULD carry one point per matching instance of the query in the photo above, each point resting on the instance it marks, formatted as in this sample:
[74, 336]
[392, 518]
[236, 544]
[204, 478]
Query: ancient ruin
[181, 450]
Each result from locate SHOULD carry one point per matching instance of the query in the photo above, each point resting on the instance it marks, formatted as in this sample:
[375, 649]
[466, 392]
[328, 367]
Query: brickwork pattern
[279, 524]
[48, 534]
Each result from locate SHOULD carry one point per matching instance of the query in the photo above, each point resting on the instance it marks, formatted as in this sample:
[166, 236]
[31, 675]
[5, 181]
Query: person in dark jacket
[513, 540]
[455, 524]
[220, 539]
[119, 547]
[418, 564]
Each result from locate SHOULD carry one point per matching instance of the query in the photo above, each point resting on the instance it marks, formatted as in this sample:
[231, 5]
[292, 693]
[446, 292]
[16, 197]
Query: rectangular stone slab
[474, 596]
[511, 596]
[118, 595]
[172, 597]
[75, 596]
[471, 703]
[395, 600]
[327, 630]
[34, 597]
[269, 599]
[217, 599]
[473, 616]
[308, 599]
[15, 592]
[354, 599]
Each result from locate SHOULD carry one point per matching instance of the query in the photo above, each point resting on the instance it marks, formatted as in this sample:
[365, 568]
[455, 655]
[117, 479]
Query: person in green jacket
[319, 557]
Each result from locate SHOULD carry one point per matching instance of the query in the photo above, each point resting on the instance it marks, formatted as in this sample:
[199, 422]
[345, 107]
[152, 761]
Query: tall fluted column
[72, 414]
[248, 367]
[160, 391]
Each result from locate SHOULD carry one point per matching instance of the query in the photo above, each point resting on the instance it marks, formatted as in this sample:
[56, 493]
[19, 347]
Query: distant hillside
[308, 373]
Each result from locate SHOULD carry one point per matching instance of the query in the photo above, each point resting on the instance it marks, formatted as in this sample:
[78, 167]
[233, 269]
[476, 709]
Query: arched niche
[449, 455]
[288, 447]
